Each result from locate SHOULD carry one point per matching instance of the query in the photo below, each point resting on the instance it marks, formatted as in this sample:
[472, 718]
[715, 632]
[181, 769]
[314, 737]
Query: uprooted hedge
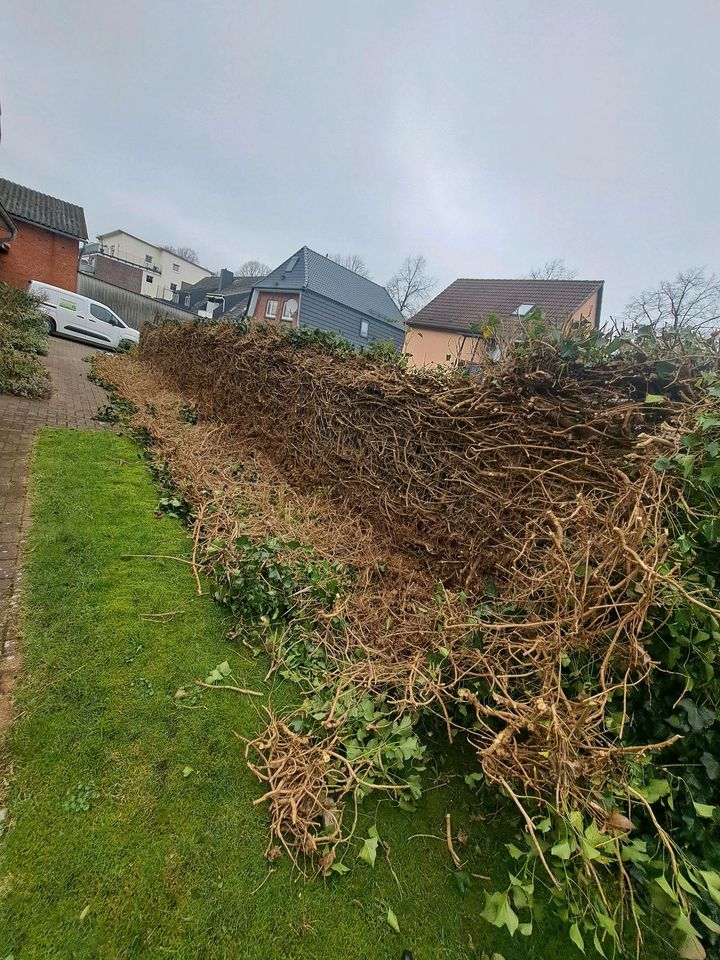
[557, 609]
[23, 336]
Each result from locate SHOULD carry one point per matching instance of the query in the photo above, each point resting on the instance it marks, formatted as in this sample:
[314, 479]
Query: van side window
[102, 313]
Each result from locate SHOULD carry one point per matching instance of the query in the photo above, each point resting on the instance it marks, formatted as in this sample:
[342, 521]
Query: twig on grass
[227, 686]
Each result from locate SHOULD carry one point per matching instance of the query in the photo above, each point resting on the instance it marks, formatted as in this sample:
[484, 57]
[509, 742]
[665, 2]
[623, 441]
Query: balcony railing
[117, 253]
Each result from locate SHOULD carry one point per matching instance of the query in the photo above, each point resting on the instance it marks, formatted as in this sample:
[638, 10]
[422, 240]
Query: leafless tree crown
[253, 268]
[353, 261]
[187, 253]
[689, 302]
[411, 286]
[555, 269]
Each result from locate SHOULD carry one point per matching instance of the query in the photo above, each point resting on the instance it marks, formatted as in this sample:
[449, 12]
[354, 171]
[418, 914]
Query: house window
[271, 309]
[176, 268]
[148, 278]
[187, 299]
[364, 327]
[287, 310]
[173, 287]
[112, 249]
[148, 258]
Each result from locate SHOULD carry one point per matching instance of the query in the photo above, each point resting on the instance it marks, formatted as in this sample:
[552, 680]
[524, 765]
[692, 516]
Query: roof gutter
[9, 226]
[599, 304]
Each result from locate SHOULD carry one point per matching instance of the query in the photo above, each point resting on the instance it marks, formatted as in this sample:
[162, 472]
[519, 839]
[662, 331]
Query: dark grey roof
[48, 212]
[307, 270]
[468, 302]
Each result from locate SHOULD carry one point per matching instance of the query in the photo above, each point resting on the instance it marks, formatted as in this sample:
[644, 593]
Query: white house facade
[163, 272]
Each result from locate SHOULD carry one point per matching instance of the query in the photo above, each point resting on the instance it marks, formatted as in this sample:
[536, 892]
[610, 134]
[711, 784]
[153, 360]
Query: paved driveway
[73, 403]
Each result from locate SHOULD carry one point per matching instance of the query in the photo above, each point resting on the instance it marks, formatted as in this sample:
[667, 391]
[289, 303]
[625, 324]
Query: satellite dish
[291, 307]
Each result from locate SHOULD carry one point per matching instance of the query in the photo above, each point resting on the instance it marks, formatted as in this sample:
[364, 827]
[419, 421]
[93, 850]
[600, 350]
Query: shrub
[23, 336]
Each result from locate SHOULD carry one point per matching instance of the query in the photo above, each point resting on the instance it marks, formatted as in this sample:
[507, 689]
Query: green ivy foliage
[23, 336]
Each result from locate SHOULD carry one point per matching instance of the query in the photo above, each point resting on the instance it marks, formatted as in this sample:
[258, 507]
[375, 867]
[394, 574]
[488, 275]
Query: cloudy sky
[490, 136]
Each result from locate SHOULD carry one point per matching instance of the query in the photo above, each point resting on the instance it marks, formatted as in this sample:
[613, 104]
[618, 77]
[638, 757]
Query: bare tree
[253, 268]
[411, 286]
[689, 302]
[187, 253]
[554, 269]
[353, 261]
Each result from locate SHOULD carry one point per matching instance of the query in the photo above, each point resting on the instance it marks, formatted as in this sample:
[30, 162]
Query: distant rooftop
[466, 302]
[53, 214]
[308, 270]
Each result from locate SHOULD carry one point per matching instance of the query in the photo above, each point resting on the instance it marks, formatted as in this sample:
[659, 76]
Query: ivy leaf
[712, 767]
[655, 790]
[704, 810]
[691, 949]
[650, 398]
[368, 853]
[562, 850]
[661, 881]
[576, 937]
[507, 917]
[393, 920]
[710, 924]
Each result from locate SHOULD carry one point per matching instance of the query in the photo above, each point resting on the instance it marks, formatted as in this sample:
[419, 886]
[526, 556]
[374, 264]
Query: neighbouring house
[95, 263]
[451, 330]
[310, 290]
[162, 273]
[46, 241]
[214, 296]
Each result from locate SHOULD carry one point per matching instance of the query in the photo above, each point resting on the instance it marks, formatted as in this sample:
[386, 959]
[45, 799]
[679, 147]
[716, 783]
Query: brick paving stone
[73, 403]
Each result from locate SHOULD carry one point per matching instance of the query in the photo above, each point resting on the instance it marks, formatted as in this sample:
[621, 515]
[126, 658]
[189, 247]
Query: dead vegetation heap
[497, 532]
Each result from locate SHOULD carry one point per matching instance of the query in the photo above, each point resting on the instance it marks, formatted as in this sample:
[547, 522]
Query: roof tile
[49, 212]
[466, 302]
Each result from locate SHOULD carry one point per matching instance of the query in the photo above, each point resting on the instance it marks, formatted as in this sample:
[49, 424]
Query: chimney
[226, 278]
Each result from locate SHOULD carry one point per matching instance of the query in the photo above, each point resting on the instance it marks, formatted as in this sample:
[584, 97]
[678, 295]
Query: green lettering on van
[67, 304]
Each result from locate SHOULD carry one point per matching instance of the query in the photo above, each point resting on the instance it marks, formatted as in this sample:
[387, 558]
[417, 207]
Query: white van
[81, 318]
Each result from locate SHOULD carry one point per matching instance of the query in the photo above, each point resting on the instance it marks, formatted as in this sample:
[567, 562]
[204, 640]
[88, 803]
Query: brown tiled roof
[467, 302]
[49, 212]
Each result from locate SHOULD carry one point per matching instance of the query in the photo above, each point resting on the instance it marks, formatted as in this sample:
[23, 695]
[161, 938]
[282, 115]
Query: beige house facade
[448, 331]
[163, 272]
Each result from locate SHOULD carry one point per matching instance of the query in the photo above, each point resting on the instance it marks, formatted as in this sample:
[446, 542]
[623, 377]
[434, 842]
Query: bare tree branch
[690, 302]
[253, 268]
[353, 261]
[411, 286]
[554, 269]
[187, 253]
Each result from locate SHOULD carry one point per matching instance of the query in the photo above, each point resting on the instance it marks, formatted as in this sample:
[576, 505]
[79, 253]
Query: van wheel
[50, 324]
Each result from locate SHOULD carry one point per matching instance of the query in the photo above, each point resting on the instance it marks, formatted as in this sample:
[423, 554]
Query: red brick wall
[37, 254]
[263, 298]
[121, 274]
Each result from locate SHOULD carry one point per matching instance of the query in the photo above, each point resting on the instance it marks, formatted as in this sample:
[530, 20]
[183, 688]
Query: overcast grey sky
[491, 136]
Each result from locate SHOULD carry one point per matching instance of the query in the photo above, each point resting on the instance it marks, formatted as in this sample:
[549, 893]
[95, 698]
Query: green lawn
[168, 862]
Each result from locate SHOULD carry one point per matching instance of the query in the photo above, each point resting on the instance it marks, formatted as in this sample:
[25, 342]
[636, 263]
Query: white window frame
[287, 311]
[364, 329]
[176, 268]
[271, 309]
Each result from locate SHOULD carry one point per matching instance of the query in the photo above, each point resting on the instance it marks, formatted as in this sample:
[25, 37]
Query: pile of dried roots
[535, 486]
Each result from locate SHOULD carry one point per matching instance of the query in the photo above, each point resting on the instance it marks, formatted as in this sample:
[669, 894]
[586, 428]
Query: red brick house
[46, 242]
